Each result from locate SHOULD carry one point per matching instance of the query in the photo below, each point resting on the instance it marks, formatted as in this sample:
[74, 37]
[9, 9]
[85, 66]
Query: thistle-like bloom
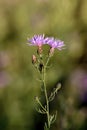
[54, 43]
[37, 40]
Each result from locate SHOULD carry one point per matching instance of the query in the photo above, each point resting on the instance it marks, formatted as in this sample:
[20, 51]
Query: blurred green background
[63, 19]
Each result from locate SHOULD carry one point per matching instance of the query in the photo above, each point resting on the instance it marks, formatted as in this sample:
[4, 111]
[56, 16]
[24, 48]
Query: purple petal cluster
[54, 43]
[39, 40]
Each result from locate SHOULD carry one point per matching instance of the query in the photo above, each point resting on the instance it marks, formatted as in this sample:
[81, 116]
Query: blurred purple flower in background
[79, 80]
[4, 79]
[4, 62]
[4, 59]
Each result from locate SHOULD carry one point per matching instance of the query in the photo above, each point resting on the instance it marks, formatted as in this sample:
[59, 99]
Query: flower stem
[46, 96]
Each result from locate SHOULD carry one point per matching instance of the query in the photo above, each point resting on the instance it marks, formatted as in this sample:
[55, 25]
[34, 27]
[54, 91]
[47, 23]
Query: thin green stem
[47, 61]
[46, 96]
[45, 92]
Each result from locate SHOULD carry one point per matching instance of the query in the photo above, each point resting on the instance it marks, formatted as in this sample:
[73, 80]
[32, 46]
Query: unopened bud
[34, 59]
[39, 50]
[36, 98]
[51, 52]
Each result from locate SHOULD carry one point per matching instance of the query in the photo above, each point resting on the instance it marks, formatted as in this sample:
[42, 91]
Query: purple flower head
[54, 43]
[37, 40]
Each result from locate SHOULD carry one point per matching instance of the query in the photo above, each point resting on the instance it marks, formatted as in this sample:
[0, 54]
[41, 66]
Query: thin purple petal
[54, 43]
[37, 40]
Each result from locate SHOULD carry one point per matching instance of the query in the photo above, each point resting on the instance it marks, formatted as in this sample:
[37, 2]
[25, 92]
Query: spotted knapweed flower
[36, 40]
[39, 40]
[54, 43]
